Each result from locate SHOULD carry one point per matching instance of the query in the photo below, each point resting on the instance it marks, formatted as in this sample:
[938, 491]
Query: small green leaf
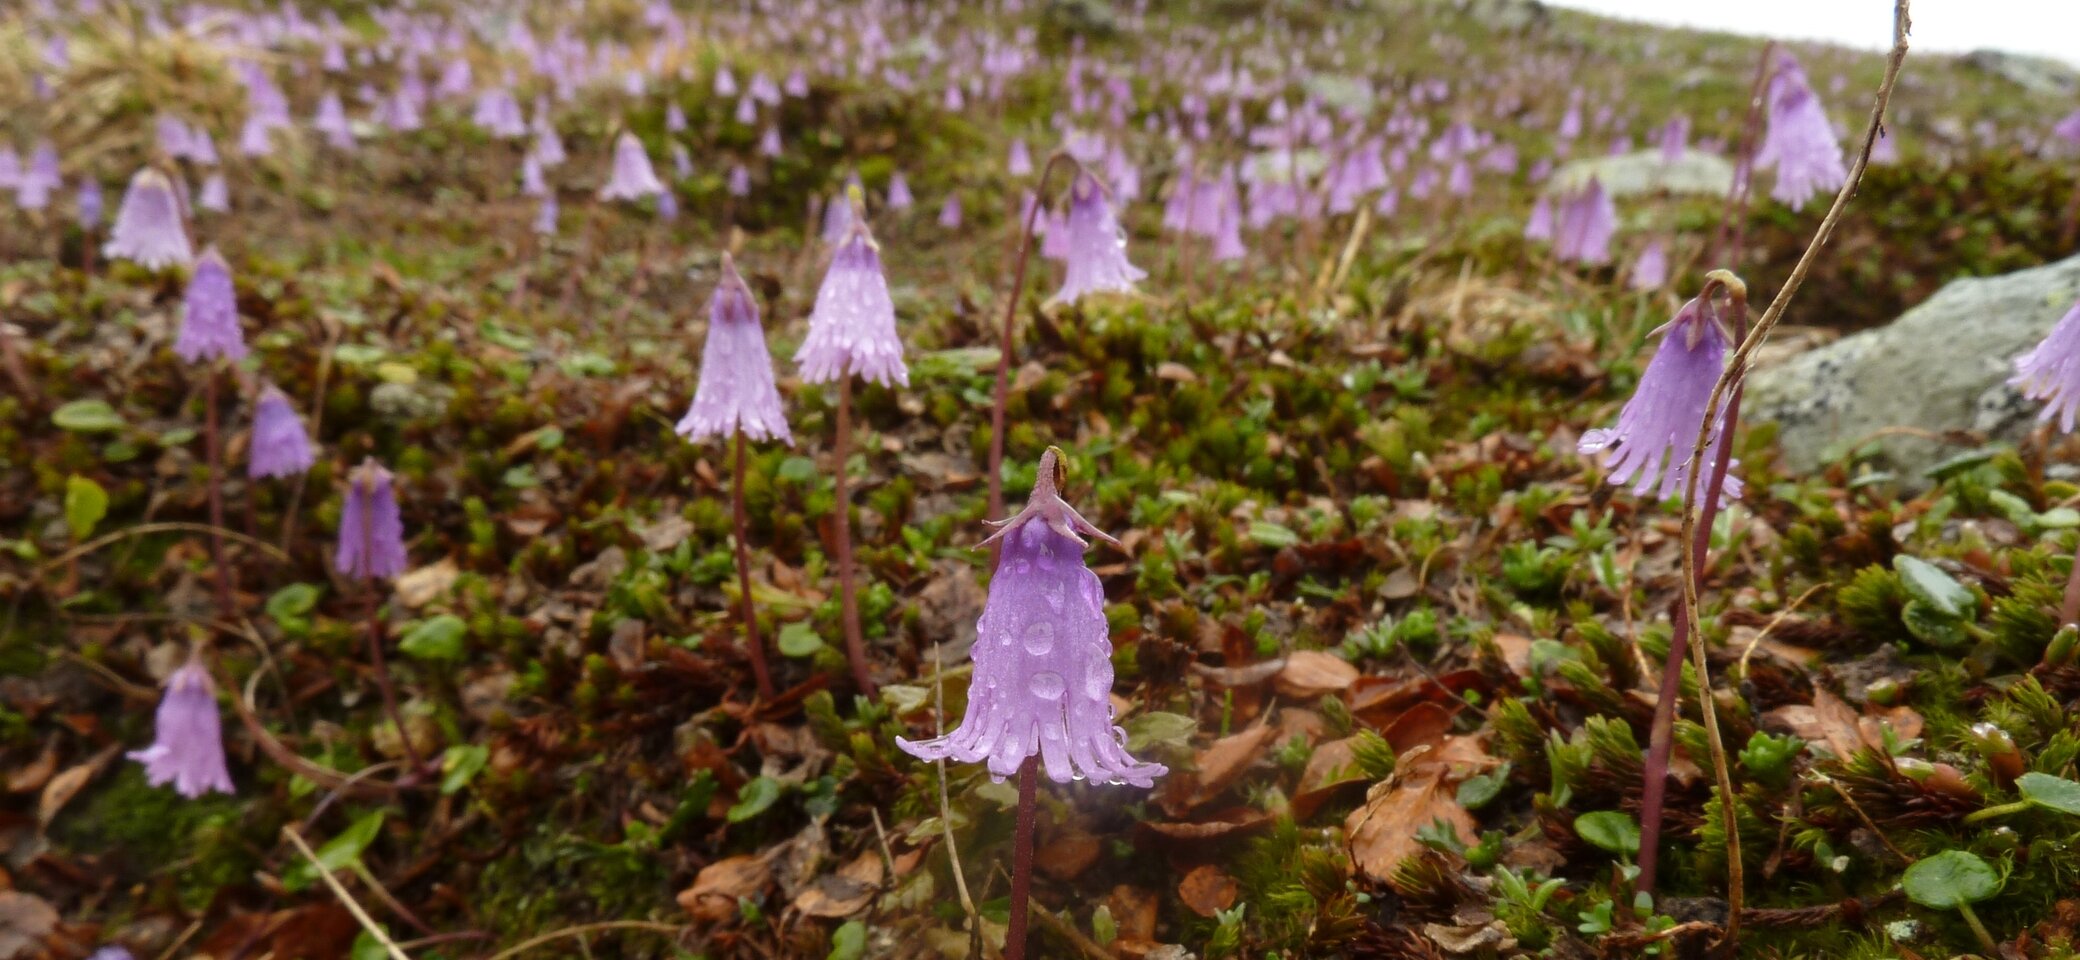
[799, 639]
[1610, 830]
[367, 947]
[440, 638]
[85, 504]
[849, 941]
[2049, 792]
[391, 371]
[337, 852]
[87, 416]
[1929, 626]
[1172, 729]
[754, 798]
[1272, 535]
[797, 470]
[1930, 585]
[1104, 929]
[1477, 791]
[1950, 879]
[461, 764]
[292, 602]
[904, 698]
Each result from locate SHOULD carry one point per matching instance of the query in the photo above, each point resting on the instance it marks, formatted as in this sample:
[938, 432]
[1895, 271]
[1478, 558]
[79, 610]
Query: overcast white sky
[2047, 27]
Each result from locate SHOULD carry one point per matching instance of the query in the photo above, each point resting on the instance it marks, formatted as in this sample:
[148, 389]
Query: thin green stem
[1995, 812]
[1985, 939]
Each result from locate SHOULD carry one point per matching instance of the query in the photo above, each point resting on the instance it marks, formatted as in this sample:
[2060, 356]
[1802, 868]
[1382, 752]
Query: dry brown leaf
[1215, 768]
[1422, 725]
[1207, 890]
[33, 775]
[714, 893]
[63, 787]
[1175, 372]
[1312, 673]
[1382, 832]
[1486, 939]
[26, 921]
[1134, 910]
[845, 892]
[1246, 675]
[1066, 853]
[417, 588]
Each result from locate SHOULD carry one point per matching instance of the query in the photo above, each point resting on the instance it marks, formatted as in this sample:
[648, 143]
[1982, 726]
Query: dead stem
[1727, 392]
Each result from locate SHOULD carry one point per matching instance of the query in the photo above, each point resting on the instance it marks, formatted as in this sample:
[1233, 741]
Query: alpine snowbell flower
[2051, 372]
[148, 226]
[209, 315]
[950, 212]
[1096, 247]
[1043, 655]
[736, 390]
[187, 737]
[632, 177]
[371, 533]
[852, 328]
[1586, 223]
[279, 446]
[1650, 271]
[1799, 142]
[1650, 446]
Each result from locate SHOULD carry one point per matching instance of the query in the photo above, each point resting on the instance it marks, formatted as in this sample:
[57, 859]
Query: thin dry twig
[579, 931]
[169, 526]
[1788, 610]
[339, 890]
[1727, 386]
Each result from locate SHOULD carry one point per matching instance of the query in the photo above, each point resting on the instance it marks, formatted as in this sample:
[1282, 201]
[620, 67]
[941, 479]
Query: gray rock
[1942, 366]
[1508, 15]
[1643, 171]
[2035, 74]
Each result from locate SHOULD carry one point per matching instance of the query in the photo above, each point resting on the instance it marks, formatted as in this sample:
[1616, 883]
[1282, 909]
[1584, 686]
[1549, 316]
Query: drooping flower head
[1799, 141]
[736, 390]
[1043, 655]
[1650, 271]
[1095, 246]
[1675, 138]
[148, 226]
[632, 177]
[215, 195]
[89, 203]
[371, 534]
[279, 446]
[187, 737]
[2051, 372]
[1539, 226]
[950, 212]
[209, 314]
[899, 197]
[1650, 446]
[852, 328]
[1585, 225]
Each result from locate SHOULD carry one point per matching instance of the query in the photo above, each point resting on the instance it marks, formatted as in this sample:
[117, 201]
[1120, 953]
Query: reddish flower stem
[1011, 298]
[1661, 739]
[1732, 234]
[750, 612]
[214, 452]
[841, 542]
[1022, 858]
[389, 691]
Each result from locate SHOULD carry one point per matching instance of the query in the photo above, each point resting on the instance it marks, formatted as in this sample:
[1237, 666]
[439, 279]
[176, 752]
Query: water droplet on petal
[1039, 638]
[1048, 685]
[1056, 596]
[1097, 681]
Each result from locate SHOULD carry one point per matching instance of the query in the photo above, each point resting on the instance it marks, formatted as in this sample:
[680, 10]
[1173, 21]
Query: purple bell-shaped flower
[187, 737]
[1042, 682]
